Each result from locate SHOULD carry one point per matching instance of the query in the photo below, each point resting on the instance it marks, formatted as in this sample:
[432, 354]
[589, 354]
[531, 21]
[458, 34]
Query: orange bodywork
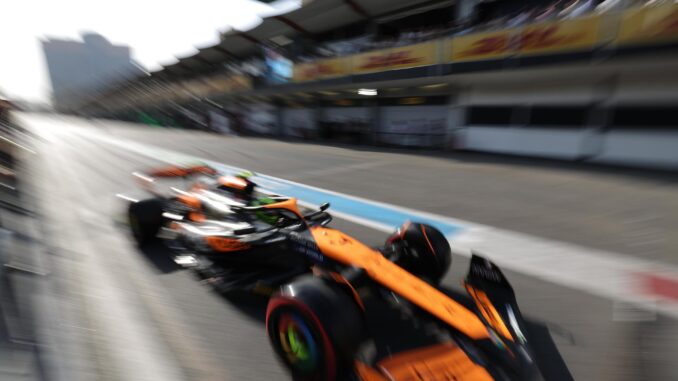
[340, 279]
[490, 313]
[423, 230]
[233, 182]
[367, 373]
[440, 362]
[173, 171]
[347, 250]
[223, 244]
[289, 204]
[196, 217]
[189, 200]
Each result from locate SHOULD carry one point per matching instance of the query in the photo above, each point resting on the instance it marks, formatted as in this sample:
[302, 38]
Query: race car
[215, 228]
[328, 288]
[317, 324]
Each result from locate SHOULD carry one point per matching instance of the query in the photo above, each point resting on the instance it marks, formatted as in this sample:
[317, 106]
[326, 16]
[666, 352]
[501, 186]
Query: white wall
[574, 92]
[646, 148]
[641, 148]
[647, 86]
[562, 143]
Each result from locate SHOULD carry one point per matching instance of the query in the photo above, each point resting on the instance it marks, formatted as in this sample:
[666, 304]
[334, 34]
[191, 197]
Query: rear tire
[145, 219]
[315, 328]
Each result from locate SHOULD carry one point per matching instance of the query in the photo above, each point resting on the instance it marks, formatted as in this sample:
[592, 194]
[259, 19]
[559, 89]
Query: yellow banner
[304, 72]
[569, 35]
[229, 84]
[649, 25]
[395, 58]
[333, 67]
[480, 46]
[198, 87]
[241, 82]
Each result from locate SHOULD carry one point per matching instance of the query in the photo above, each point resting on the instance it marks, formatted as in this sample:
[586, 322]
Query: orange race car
[320, 324]
[330, 291]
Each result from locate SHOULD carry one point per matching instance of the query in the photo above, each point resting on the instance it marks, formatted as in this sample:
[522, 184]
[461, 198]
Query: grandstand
[575, 80]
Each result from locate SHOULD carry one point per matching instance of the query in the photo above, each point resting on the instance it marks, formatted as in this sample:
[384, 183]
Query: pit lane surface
[140, 318]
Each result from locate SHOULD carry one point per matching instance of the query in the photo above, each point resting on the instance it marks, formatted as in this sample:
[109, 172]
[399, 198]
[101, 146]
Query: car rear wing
[178, 171]
[147, 179]
[497, 306]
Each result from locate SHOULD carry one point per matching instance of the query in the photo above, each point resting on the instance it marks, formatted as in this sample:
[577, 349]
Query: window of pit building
[489, 115]
[645, 117]
[559, 116]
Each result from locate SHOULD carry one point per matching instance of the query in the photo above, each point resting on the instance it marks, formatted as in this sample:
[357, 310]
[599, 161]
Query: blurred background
[545, 132]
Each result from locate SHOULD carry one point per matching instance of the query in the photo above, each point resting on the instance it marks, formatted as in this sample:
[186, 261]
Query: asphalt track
[119, 313]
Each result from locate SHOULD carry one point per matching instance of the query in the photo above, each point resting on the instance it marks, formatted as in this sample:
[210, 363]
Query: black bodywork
[266, 258]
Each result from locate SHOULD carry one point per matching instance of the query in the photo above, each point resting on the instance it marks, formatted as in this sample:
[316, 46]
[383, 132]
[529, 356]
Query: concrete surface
[116, 313]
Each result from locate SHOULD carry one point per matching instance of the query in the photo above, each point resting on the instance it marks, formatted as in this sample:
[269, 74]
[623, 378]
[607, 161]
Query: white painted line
[127, 198]
[606, 274]
[7, 186]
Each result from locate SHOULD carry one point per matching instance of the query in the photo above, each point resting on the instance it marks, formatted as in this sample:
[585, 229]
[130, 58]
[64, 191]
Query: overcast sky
[156, 30]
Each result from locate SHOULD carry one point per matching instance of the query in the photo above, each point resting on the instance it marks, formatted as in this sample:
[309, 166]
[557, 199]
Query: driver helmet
[239, 185]
[269, 217]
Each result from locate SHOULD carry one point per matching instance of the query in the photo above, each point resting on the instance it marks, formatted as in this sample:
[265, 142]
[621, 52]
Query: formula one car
[317, 324]
[329, 286]
[222, 227]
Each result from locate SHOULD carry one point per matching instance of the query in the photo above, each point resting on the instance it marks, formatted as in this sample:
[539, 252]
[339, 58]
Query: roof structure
[315, 17]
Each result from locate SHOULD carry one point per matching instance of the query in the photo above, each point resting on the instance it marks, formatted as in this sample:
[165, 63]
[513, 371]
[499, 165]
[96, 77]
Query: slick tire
[315, 328]
[145, 219]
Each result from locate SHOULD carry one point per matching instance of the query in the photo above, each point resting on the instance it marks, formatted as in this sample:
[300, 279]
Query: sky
[156, 30]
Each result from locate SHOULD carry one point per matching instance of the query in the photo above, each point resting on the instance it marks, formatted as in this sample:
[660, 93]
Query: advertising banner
[333, 67]
[396, 58]
[279, 69]
[198, 87]
[180, 90]
[306, 71]
[229, 84]
[569, 35]
[481, 46]
[649, 25]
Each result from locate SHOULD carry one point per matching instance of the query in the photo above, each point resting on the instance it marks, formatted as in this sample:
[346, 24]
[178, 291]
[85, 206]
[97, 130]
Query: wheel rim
[297, 342]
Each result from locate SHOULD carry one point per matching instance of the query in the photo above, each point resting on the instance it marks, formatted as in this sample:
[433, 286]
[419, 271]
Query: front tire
[315, 328]
[145, 219]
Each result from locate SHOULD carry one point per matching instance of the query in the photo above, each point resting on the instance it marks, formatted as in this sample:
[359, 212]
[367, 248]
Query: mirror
[324, 206]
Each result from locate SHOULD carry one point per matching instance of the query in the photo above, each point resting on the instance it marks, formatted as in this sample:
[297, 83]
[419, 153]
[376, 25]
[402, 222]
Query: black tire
[422, 250]
[145, 219]
[315, 328]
